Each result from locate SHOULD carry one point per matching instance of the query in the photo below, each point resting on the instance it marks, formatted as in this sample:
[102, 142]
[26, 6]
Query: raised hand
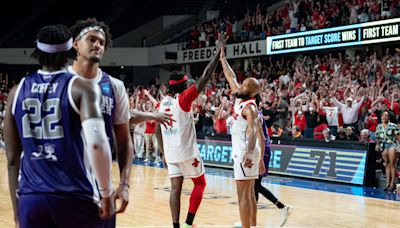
[222, 38]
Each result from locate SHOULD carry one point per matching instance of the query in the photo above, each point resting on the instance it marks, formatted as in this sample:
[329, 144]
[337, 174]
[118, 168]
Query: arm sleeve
[121, 113]
[187, 97]
[99, 153]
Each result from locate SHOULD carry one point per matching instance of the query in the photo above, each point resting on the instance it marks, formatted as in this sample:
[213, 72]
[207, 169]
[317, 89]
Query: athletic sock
[280, 205]
[176, 225]
[190, 218]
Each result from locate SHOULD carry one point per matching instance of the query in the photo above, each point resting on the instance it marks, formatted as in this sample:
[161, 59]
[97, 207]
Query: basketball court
[316, 204]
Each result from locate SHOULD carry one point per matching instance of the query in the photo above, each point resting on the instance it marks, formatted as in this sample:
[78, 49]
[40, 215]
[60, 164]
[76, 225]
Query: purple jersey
[107, 105]
[267, 152]
[54, 158]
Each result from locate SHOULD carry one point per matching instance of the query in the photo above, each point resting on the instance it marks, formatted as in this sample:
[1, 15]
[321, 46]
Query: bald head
[249, 88]
[253, 84]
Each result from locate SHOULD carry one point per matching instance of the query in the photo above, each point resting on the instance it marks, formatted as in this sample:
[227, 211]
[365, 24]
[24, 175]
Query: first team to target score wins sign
[357, 34]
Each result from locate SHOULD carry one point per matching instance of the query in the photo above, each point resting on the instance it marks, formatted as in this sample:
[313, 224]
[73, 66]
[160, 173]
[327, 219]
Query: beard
[95, 59]
[242, 96]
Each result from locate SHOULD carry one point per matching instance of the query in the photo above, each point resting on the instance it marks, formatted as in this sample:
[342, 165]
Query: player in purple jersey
[258, 188]
[59, 161]
[91, 40]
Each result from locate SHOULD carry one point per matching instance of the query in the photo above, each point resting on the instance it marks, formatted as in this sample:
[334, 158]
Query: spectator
[349, 111]
[296, 133]
[322, 125]
[311, 121]
[350, 134]
[388, 135]
[207, 120]
[364, 136]
[327, 135]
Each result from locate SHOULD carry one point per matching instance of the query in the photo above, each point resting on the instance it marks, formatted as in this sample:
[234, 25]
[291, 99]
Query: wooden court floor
[149, 197]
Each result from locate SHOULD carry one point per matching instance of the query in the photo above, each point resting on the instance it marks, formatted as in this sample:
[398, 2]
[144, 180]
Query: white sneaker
[157, 160]
[237, 224]
[146, 160]
[285, 212]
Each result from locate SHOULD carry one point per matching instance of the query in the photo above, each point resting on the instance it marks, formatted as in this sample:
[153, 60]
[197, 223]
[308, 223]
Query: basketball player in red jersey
[179, 144]
[246, 149]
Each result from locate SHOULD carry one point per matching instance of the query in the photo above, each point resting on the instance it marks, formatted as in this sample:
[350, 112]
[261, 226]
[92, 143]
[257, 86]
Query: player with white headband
[59, 160]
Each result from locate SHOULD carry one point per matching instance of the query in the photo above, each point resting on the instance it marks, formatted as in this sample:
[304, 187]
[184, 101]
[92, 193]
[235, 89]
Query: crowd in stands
[295, 16]
[326, 97]
[4, 89]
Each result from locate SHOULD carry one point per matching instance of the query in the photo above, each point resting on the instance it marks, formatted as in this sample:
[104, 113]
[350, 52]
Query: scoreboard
[342, 36]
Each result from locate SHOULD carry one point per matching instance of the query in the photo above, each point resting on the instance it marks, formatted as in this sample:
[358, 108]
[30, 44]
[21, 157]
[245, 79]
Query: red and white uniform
[240, 142]
[179, 141]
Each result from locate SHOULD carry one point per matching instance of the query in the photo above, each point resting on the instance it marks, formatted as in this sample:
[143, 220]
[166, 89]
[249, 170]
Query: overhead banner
[240, 50]
[343, 36]
[332, 164]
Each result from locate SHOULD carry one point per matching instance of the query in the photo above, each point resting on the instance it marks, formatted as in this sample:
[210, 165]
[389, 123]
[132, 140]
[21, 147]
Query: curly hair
[81, 24]
[53, 34]
[177, 88]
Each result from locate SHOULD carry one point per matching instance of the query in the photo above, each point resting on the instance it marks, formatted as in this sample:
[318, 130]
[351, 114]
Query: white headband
[88, 29]
[54, 48]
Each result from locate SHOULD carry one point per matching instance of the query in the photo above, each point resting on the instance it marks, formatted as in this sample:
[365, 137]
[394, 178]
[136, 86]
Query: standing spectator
[206, 119]
[282, 111]
[387, 137]
[385, 9]
[220, 125]
[371, 124]
[332, 116]
[349, 111]
[322, 125]
[311, 121]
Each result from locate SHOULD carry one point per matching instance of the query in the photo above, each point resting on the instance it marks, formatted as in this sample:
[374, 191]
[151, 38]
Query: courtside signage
[343, 36]
[332, 164]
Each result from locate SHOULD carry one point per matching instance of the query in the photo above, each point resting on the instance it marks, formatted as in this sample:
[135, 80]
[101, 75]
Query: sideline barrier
[339, 161]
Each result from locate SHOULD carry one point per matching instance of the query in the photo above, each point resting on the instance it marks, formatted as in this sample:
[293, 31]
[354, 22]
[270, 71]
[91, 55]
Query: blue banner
[333, 164]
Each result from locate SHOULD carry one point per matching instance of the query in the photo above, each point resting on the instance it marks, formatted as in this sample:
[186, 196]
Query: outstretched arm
[212, 65]
[229, 73]
[159, 117]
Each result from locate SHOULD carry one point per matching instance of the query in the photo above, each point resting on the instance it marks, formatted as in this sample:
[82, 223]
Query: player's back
[179, 141]
[54, 159]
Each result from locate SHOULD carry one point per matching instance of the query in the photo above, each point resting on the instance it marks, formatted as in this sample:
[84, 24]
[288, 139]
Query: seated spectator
[364, 136]
[296, 132]
[341, 133]
[327, 135]
[350, 135]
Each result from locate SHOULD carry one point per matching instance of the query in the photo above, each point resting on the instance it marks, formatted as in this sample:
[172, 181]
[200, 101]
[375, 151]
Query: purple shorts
[50, 210]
